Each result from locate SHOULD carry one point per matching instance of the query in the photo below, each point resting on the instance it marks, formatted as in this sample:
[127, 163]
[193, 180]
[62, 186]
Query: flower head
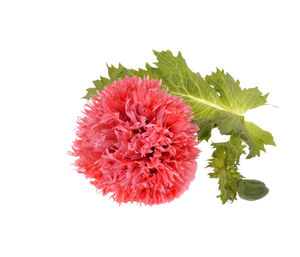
[137, 142]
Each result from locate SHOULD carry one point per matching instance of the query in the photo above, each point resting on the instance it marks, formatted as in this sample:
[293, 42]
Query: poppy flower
[136, 142]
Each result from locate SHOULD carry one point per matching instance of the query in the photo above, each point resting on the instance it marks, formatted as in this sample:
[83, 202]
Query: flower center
[153, 171]
[141, 130]
[148, 155]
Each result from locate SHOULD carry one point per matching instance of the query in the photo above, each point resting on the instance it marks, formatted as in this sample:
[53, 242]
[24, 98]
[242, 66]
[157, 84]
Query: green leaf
[235, 99]
[206, 126]
[217, 100]
[90, 93]
[181, 81]
[225, 161]
[115, 73]
[256, 138]
[99, 85]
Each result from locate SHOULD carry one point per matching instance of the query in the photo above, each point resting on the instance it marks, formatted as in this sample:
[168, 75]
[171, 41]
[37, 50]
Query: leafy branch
[217, 101]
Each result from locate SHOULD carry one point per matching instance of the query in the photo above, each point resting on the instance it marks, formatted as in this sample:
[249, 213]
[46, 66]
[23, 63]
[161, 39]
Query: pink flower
[136, 142]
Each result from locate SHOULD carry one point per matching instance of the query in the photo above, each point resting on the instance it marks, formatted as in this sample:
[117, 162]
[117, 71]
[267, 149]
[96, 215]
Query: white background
[50, 53]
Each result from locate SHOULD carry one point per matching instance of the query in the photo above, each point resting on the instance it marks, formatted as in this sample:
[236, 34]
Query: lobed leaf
[217, 100]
